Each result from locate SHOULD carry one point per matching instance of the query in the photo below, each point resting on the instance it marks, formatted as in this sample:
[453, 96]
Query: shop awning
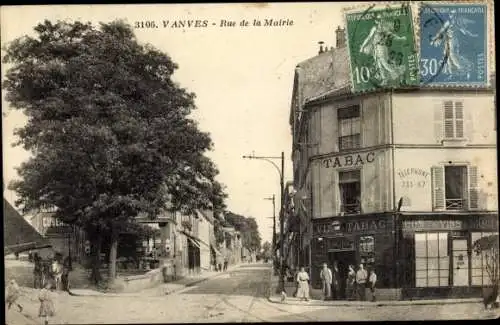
[19, 235]
[197, 241]
[194, 241]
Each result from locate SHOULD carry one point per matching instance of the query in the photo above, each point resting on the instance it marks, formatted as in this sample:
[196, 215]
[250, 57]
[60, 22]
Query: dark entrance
[343, 259]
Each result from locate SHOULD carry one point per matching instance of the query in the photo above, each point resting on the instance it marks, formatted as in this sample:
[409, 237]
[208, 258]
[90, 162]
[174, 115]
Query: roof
[19, 235]
[319, 75]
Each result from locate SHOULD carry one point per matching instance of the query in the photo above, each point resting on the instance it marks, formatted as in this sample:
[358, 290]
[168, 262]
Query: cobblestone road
[237, 296]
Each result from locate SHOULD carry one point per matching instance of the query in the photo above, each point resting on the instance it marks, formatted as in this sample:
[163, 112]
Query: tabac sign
[340, 227]
[351, 160]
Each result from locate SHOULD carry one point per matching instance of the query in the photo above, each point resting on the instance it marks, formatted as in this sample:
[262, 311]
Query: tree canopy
[108, 129]
[248, 228]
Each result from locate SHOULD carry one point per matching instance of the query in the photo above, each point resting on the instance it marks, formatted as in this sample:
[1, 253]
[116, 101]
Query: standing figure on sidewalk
[371, 283]
[335, 282]
[326, 280]
[66, 268]
[303, 282]
[13, 292]
[47, 309]
[37, 272]
[350, 283]
[361, 277]
[225, 263]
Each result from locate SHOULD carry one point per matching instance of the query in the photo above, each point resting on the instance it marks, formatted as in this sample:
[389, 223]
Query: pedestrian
[361, 277]
[225, 263]
[326, 281]
[335, 282]
[350, 283]
[303, 282]
[47, 309]
[37, 272]
[372, 280]
[13, 292]
[65, 275]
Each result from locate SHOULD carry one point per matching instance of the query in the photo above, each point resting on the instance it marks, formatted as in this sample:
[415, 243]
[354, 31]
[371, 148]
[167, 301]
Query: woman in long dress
[303, 282]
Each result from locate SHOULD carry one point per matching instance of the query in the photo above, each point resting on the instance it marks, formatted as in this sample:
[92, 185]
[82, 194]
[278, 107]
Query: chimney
[340, 36]
[321, 47]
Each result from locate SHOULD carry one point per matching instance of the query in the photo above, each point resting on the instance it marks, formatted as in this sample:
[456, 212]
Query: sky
[242, 77]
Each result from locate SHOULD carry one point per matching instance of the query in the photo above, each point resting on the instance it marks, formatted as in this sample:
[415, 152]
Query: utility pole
[274, 232]
[281, 285]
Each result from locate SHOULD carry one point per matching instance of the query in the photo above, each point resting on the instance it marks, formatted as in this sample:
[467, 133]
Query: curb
[136, 294]
[376, 304]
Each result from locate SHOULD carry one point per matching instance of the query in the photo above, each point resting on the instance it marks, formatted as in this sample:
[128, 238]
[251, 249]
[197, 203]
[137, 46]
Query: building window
[455, 182]
[367, 251]
[350, 191]
[453, 120]
[431, 260]
[479, 272]
[349, 127]
[455, 187]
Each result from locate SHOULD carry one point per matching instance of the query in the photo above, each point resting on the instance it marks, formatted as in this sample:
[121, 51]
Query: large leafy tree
[108, 129]
[248, 228]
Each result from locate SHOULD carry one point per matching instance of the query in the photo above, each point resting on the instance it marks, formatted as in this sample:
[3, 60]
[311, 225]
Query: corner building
[401, 181]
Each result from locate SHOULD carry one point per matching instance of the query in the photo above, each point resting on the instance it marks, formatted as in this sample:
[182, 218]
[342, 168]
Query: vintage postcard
[250, 162]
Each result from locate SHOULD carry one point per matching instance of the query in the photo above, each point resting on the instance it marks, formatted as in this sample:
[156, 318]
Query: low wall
[140, 282]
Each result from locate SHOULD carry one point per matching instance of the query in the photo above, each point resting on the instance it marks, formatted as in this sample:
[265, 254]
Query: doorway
[343, 259]
[460, 263]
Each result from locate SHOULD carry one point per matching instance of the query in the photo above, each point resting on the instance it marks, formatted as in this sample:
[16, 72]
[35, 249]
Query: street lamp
[281, 285]
[274, 230]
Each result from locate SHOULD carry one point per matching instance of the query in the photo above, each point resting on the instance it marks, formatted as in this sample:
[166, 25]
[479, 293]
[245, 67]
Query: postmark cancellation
[453, 44]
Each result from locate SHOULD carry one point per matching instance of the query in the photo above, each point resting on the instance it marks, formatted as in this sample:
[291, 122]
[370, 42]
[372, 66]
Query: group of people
[356, 283]
[53, 272]
[222, 266]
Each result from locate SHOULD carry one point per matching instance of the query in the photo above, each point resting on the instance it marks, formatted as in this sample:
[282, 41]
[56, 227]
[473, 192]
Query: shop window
[350, 191]
[455, 187]
[431, 260]
[367, 251]
[480, 275]
[349, 126]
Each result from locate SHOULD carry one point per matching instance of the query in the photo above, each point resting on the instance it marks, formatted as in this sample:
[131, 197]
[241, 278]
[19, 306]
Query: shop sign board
[465, 223]
[352, 226]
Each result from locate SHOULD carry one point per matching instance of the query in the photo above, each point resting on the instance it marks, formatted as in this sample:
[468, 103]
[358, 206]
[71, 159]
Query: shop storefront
[436, 257]
[354, 240]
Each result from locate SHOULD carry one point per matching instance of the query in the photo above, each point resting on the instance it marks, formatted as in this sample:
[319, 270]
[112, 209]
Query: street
[237, 296]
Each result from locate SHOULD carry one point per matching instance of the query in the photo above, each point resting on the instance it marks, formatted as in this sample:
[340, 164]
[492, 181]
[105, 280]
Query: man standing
[372, 280]
[361, 277]
[326, 279]
[335, 282]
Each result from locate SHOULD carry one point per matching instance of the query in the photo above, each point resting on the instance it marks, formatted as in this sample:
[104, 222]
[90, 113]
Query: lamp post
[274, 230]
[269, 159]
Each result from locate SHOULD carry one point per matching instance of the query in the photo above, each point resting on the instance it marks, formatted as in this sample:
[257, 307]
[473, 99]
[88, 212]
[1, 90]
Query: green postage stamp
[381, 46]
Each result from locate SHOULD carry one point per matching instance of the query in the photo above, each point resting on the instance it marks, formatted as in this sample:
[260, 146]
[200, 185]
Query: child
[13, 292]
[46, 304]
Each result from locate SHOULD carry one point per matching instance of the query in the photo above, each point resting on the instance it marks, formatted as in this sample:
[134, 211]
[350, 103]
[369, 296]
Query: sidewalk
[162, 289]
[317, 301]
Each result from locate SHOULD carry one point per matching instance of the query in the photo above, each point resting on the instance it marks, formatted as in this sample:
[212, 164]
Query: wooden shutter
[459, 119]
[473, 188]
[469, 124]
[438, 198]
[438, 122]
[448, 120]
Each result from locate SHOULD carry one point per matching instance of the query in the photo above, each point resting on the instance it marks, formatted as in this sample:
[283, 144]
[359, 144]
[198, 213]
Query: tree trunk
[112, 255]
[96, 242]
